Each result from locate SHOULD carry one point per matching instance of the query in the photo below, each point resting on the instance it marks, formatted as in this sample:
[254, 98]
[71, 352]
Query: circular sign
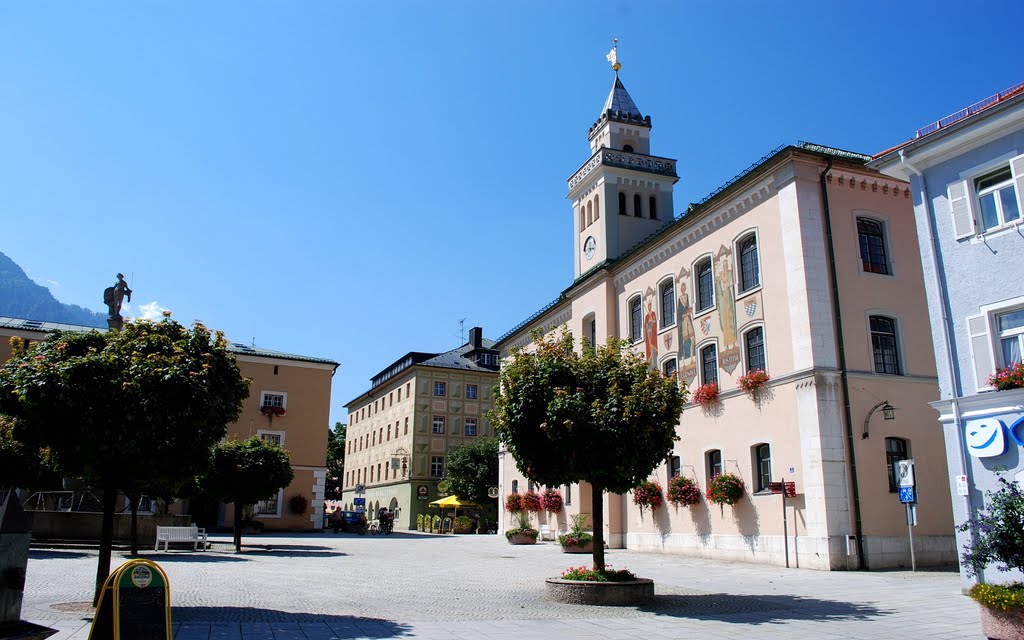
[421, 491]
[442, 485]
[142, 576]
[492, 492]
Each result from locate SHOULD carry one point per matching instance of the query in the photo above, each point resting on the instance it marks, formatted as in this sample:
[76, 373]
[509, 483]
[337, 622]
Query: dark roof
[21, 324]
[619, 101]
[694, 210]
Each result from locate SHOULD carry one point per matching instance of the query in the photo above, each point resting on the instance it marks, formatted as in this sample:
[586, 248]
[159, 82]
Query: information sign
[905, 473]
[359, 501]
[907, 494]
[135, 604]
[360, 488]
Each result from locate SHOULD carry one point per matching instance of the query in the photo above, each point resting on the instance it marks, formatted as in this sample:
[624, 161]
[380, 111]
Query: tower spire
[613, 56]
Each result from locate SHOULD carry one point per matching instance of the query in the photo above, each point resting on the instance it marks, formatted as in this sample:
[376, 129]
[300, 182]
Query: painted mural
[725, 296]
[687, 360]
[650, 328]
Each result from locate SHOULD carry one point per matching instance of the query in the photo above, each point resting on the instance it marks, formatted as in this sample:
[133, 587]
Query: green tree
[244, 472]
[335, 461]
[472, 468]
[21, 466]
[113, 407]
[598, 415]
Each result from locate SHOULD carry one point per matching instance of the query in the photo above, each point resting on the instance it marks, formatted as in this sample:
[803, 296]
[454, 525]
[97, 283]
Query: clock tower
[622, 194]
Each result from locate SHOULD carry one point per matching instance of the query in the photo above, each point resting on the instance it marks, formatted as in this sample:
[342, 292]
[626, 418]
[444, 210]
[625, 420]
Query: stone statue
[113, 297]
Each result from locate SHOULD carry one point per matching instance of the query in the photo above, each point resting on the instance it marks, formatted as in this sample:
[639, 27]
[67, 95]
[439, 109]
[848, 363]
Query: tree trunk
[134, 500]
[238, 527]
[106, 541]
[597, 515]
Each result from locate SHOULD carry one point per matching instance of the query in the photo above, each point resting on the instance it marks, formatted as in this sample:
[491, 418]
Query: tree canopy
[245, 472]
[335, 461]
[124, 408]
[472, 468]
[599, 415]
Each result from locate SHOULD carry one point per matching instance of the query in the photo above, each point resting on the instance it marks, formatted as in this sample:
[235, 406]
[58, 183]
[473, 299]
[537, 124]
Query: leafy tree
[598, 415]
[21, 466]
[144, 402]
[335, 461]
[471, 469]
[245, 472]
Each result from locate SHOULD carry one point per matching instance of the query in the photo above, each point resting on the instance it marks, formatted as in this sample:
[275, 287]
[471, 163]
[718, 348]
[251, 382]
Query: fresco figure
[684, 322]
[651, 332]
[725, 291]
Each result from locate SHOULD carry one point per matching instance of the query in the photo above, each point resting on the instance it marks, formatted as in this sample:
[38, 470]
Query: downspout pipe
[858, 525]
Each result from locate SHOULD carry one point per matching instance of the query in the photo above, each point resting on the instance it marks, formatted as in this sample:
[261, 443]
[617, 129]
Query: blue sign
[359, 501]
[907, 494]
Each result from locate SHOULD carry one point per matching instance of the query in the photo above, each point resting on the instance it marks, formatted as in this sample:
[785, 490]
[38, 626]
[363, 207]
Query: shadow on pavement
[748, 609]
[190, 556]
[300, 547]
[249, 618]
[287, 552]
[55, 554]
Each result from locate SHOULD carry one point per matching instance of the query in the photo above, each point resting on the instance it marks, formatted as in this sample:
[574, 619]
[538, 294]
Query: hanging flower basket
[706, 395]
[514, 503]
[1011, 377]
[752, 381]
[532, 502]
[552, 501]
[725, 488]
[273, 412]
[683, 492]
[647, 494]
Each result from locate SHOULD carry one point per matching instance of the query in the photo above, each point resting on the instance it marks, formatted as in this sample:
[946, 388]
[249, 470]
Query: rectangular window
[669, 367]
[273, 437]
[567, 495]
[705, 286]
[755, 349]
[471, 392]
[636, 322]
[750, 274]
[1011, 336]
[439, 389]
[714, 463]
[895, 450]
[709, 364]
[406, 431]
[470, 428]
[668, 304]
[408, 385]
[883, 343]
[273, 400]
[997, 198]
[436, 466]
[592, 332]
[399, 394]
[437, 426]
[871, 237]
[269, 507]
[763, 464]
[675, 467]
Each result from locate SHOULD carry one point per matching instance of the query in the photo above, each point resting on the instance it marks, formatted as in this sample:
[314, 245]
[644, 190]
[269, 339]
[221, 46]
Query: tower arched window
[705, 286]
[583, 216]
[668, 303]
[637, 209]
[590, 213]
[652, 207]
[636, 322]
[597, 207]
[750, 272]
[622, 204]
[628, 148]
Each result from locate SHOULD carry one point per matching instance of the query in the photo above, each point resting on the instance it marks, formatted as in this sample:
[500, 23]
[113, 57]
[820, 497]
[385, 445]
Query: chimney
[476, 335]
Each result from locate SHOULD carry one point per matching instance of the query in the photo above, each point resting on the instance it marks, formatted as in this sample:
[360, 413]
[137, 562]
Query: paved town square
[409, 585]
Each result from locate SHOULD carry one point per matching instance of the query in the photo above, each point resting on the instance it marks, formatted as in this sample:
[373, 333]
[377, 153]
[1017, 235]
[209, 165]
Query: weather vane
[613, 56]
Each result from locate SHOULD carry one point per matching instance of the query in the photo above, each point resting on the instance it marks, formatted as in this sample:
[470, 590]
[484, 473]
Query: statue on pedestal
[113, 297]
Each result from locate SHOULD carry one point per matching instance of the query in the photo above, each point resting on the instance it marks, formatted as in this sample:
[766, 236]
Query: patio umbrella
[453, 502]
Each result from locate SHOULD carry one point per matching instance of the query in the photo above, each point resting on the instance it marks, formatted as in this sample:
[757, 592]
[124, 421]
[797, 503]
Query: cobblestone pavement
[409, 585]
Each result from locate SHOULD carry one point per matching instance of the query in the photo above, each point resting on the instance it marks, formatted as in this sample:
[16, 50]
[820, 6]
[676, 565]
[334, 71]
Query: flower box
[725, 488]
[268, 410]
[706, 395]
[1011, 377]
[683, 492]
[521, 536]
[752, 381]
[997, 624]
[586, 547]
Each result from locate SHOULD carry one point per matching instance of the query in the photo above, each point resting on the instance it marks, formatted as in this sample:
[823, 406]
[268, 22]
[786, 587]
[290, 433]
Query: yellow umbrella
[452, 502]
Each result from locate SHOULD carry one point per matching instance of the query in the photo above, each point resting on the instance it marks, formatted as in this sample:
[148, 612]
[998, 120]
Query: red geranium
[532, 502]
[552, 500]
[514, 503]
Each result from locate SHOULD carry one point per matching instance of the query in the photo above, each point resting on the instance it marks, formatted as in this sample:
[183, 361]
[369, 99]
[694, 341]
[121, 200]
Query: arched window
[636, 323]
[884, 345]
[896, 449]
[622, 204]
[590, 213]
[709, 364]
[515, 486]
[713, 460]
[872, 246]
[750, 273]
[669, 367]
[705, 286]
[668, 303]
[628, 148]
[762, 466]
[754, 341]
[597, 208]
[652, 205]
[637, 210]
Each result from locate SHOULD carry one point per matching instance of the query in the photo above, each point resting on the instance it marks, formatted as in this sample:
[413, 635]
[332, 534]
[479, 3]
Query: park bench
[192, 534]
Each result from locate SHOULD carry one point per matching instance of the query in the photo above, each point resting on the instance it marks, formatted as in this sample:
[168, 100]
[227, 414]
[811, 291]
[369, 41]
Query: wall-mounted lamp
[888, 413]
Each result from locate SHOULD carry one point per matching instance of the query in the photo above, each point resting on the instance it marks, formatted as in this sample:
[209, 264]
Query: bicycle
[373, 528]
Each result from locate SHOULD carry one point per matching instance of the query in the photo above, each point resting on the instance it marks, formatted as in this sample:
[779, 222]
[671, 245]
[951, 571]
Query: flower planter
[639, 591]
[997, 624]
[578, 548]
[521, 538]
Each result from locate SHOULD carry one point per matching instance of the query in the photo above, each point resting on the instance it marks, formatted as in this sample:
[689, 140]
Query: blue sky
[349, 180]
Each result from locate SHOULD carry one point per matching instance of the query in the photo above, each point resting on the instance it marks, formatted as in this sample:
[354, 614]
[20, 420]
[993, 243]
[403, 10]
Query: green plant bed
[522, 536]
[586, 547]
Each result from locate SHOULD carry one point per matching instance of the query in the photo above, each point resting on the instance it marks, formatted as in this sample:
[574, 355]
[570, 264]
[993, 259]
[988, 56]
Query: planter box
[522, 538]
[997, 624]
[580, 548]
[639, 591]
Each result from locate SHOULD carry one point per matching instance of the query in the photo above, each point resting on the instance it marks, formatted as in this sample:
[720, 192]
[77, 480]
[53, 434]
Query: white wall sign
[985, 438]
[905, 472]
[962, 488]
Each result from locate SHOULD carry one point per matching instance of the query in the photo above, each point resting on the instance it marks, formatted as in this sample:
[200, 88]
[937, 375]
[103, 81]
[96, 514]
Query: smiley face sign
[985, 438]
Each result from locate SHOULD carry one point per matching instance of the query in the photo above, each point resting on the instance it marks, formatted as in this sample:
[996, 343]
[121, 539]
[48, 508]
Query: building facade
[288, 404]
[805, 266]
[966, 173]
[400, 431]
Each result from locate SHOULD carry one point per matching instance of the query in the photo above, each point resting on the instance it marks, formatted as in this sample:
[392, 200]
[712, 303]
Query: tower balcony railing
[624, 160]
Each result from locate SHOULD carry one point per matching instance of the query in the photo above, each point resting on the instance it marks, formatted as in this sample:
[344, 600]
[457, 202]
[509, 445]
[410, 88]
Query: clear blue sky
[350, 179]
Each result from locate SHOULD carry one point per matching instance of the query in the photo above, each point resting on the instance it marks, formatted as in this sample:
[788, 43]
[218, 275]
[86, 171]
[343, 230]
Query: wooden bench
[192, 534]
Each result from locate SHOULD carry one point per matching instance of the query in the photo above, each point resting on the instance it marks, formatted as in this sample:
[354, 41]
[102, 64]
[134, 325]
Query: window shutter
[960, 203]
[981, 350]
[1017, 169]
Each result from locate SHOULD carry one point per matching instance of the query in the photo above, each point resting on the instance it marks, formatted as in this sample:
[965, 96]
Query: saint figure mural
[725, 292]
[651, 331]
[684, 322]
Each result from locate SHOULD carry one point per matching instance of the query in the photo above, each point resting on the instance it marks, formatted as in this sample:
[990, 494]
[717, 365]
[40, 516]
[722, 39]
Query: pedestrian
[336, 519]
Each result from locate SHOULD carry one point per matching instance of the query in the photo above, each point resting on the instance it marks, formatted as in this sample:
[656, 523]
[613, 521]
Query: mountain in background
[22, 298]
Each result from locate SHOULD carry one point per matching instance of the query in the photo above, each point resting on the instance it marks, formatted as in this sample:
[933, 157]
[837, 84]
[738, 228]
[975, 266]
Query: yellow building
[401, 430]
[299, 390]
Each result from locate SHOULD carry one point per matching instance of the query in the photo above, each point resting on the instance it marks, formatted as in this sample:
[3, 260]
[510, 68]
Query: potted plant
[532, 502]
[524, 533]
[552, 501]
[752, 381]
[725, 489]
[647, 494]
[298, 504]
[272, 411]
[706, 394]
[1011, 377]
[999, 540]
[683, 492]
[514, 503]
[462, 524]
[419, 522]
[578, 540]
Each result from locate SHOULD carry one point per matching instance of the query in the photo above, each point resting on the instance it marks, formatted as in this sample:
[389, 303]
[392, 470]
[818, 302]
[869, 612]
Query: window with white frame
[471, 392]
[437, 425]
[884, 345]
[709, 364]
[436, 466]
[675, 467]
[997, 198]
[567, 495]
[667, 294]
[636, 322]
[750, 269]
[713, 460]
[469, 428]
[871, 238]
[275, 438]
[273, 399]
[669, 367]
[705, 286]
[896, 449]
[754, 342]
[763, 466]
[270, 506]
[1011, 336]
[439, 389]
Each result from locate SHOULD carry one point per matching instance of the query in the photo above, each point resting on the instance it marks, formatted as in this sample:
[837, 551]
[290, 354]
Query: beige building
[805, 266]
[400, 431]
[298, 388]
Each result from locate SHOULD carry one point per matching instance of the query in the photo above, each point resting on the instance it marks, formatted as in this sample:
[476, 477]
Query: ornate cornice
[548, 323]
[624, 160]
[876, 183]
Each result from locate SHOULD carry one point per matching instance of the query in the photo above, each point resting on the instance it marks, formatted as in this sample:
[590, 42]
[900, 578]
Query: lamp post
[888, 413]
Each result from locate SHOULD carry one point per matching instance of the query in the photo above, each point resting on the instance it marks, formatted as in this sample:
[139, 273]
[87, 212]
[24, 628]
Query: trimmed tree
[335, 461]
[471, 469]
[121, 408]
[244, 472]
[598, 415]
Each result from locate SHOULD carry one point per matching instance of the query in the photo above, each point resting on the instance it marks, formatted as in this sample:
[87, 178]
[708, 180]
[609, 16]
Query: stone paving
[409, 585]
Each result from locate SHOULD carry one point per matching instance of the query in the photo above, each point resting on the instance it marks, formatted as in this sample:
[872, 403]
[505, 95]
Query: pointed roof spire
[619, 106]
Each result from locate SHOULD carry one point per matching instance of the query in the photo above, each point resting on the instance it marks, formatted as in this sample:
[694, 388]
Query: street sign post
[787, 489]
[908, 496]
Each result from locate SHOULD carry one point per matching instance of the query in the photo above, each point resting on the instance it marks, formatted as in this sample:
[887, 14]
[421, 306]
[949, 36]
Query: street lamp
[888, 413]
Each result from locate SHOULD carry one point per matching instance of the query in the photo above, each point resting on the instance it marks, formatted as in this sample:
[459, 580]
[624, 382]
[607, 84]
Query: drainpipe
[843, 377]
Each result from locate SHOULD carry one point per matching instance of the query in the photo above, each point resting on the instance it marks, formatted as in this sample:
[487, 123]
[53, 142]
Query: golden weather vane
[613, 56]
